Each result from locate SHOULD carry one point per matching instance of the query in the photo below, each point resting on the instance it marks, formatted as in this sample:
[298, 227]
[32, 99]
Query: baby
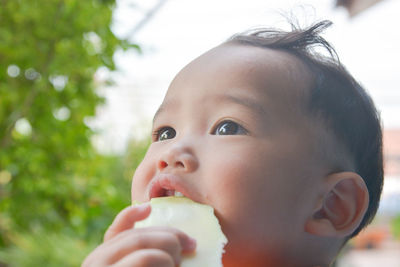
[281, 141]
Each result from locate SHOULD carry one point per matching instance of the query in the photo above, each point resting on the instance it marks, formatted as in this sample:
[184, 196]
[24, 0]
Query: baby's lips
[165, 182]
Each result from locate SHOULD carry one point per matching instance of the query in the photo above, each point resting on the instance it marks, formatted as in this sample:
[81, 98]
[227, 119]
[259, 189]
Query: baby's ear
[341, 207]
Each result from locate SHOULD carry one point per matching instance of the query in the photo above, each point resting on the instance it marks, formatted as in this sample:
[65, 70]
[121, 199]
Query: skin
[261, 178]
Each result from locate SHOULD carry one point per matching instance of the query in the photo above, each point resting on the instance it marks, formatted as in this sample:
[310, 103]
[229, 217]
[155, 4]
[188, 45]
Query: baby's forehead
[277, 73]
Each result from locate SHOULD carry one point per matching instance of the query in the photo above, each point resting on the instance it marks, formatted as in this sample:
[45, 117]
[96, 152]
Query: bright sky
[183, 29]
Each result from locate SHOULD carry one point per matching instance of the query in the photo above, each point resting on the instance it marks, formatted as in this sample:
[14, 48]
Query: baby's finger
[147, 258]
[135, 241]
[187, 243]
[126, 219]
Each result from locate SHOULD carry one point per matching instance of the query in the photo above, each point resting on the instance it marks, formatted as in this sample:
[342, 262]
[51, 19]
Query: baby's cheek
[241, 202]
[234, 207]
[240, 228]
[141, 178]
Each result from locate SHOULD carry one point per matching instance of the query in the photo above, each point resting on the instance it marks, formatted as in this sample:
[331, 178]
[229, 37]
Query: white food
[195, 219]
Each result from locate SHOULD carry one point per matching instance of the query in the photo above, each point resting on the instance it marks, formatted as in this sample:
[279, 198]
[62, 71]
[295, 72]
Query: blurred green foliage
[396, 227]
[57, 194]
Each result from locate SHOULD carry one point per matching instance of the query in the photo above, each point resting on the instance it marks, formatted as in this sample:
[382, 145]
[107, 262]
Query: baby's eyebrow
[162, 108]
[159, 110]
[243, 101]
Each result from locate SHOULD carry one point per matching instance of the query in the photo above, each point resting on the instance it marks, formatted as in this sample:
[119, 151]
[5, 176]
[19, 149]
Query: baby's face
[230, 134]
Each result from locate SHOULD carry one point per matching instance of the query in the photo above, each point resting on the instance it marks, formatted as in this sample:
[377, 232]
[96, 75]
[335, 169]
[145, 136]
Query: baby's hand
[153, 246]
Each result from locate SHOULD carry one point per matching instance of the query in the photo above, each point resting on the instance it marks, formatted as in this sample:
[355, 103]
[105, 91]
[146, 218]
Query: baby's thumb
[126, 219]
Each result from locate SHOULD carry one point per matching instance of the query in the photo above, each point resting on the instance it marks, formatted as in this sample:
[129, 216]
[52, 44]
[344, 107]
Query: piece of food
[195, 219]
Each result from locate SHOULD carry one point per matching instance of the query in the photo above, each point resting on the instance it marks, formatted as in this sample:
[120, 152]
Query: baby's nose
[180, 158]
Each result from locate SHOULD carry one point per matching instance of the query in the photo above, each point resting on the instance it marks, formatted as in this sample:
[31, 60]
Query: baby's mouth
[157, 190]
[165, 185]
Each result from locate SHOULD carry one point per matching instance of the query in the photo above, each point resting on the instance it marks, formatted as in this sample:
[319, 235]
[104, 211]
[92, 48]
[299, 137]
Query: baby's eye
[229, 128]
[164, 133]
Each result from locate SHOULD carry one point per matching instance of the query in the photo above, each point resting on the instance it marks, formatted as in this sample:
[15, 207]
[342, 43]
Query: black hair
[337, 100]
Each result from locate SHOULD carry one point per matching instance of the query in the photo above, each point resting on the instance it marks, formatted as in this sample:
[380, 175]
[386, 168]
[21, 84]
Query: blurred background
[81, 80]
